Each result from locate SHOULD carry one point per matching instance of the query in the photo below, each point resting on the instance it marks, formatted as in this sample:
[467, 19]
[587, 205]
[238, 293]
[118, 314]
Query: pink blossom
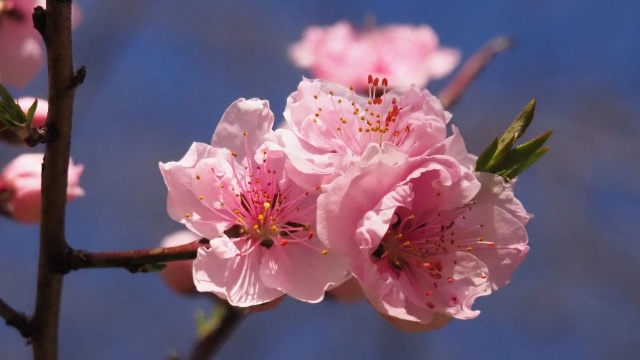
[21, 182]
[406, 55]
[424, 236]
[331, 126]
[178, 274]
[261, 224]
[21, 52]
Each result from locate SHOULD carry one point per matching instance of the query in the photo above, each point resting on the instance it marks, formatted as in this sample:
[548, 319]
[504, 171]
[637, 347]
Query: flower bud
[348, 291]
[439, 321]
[20, 181]
[178, 275]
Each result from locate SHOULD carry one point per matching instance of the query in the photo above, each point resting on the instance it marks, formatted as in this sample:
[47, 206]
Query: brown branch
[207, 346]
[15, 319]
[55, 27]
[471, 69]
[134, 260]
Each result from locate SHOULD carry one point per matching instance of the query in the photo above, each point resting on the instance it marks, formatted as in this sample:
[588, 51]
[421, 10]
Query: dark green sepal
[517, 128]
[501, 158]
[487, 154]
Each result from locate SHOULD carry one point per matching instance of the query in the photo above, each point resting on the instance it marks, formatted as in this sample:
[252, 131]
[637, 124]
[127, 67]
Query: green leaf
[525, 165]
[11, 114]
[487, 155]
[521, 153]
[517, 128]
[5, 95]
[32, 111]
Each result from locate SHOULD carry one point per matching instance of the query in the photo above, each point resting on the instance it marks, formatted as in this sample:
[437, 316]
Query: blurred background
[160, 75]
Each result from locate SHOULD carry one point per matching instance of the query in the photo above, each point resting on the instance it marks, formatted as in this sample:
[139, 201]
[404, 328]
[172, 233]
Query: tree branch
[55, 27]
[15, 319]
[208, 345]
[471, 69]
[134, 260]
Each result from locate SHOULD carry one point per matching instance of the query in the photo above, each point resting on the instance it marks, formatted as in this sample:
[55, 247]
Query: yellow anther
[273, 227]
[260, 217]
[469, 248]
[187, 215]
[233, 153]
[266, 205]
[200, 197]
[239, 219]
[198, 177]
[255, 227]
[325, 251]
[480, 239]
[245, 133]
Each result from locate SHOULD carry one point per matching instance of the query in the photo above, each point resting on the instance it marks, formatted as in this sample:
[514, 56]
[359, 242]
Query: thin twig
[55, 27]
[472, 68]
[207, 346]
[15, 319]
[134, 260]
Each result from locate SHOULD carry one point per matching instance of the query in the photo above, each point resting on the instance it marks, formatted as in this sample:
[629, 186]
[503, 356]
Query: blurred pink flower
[424, 236]
[21, 181]
[178, 275]
[261, 224]
[21, 52]
[406, 55]
[331, 126]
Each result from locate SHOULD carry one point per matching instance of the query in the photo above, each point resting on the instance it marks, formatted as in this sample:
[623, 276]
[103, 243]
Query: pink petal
[235, 279]
[251, 116]
[302, 272]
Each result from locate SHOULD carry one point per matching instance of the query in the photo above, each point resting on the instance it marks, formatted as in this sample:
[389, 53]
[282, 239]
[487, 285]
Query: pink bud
[178, 275]
[22, 56]
[439, 321]
[348, 291]
[22, 179]
[40, 117]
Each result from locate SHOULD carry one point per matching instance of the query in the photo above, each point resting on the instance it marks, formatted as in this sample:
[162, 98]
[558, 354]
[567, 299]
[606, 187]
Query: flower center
[414, 246]
[356, 125]
[261, 212]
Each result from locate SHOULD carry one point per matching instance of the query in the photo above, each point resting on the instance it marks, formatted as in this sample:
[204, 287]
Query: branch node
[52, 134]
[39, 18]
[37, 136]
[78, 77]
[64, 261]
